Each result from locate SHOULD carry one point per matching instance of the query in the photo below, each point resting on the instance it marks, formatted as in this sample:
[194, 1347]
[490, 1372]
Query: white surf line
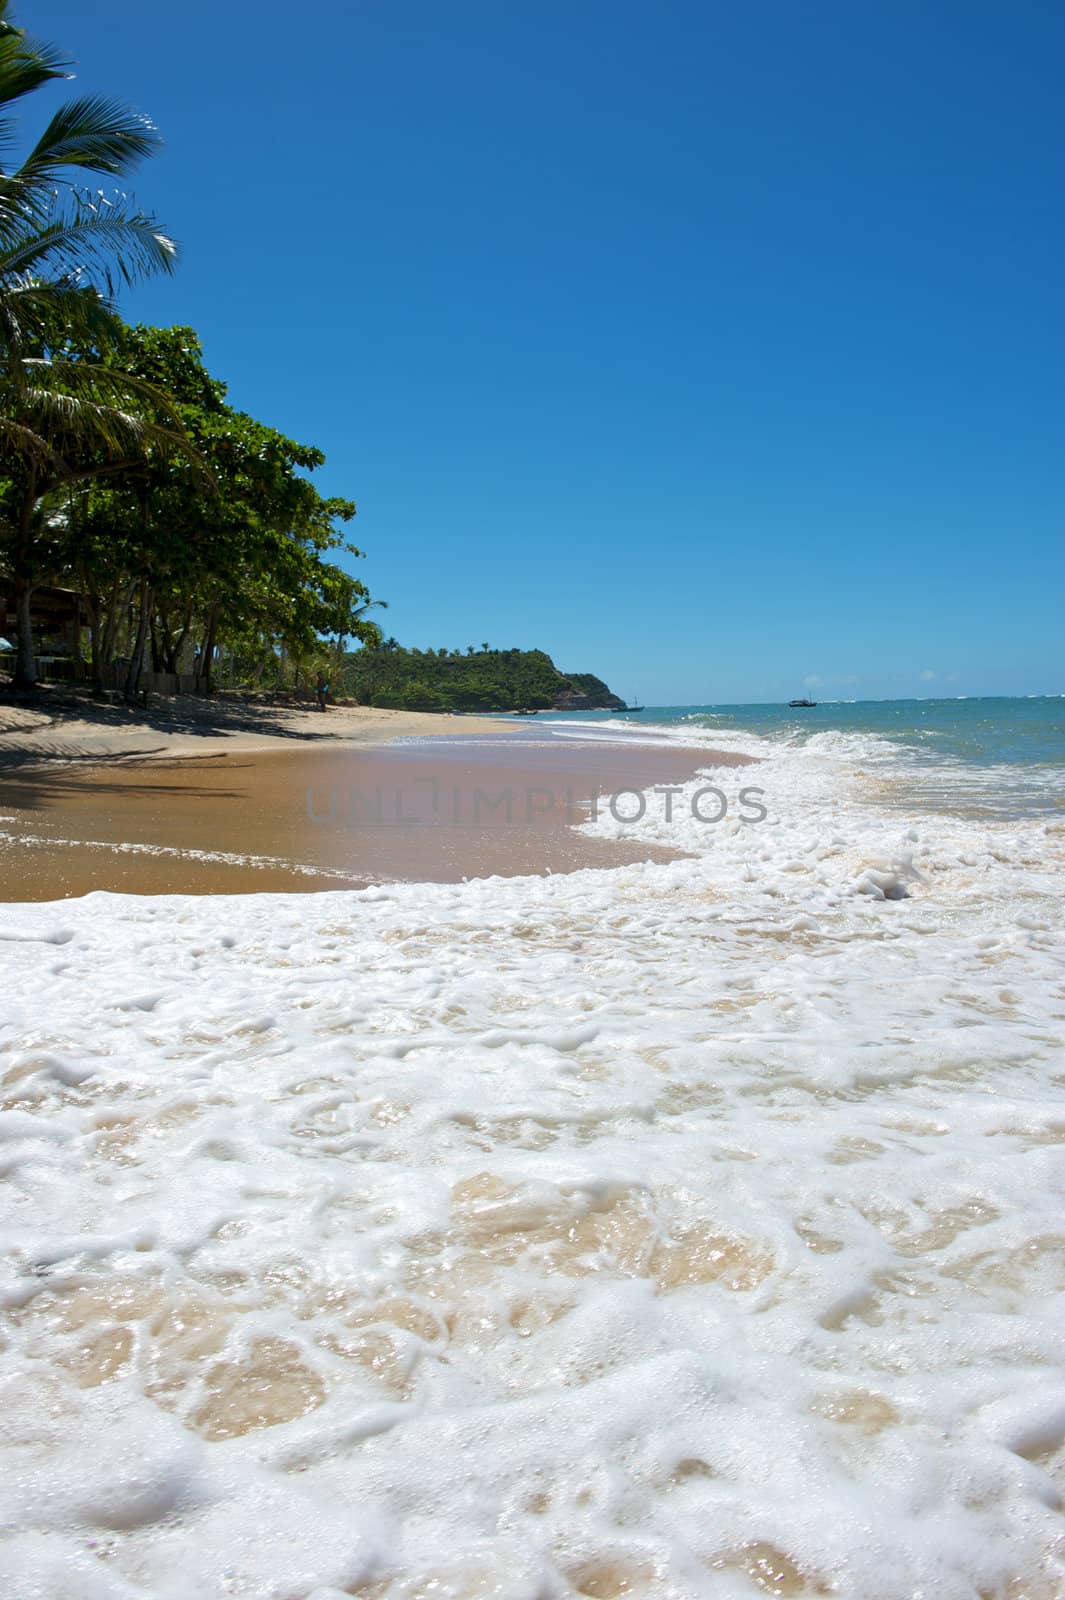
[221, 857]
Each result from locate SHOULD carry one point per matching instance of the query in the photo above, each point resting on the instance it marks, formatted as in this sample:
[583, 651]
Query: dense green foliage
[190, 533]
[224, 546]
[209, 546]
[472, 680]
[64, 249]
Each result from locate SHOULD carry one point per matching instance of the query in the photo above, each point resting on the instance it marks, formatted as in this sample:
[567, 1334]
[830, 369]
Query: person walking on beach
[321, 689]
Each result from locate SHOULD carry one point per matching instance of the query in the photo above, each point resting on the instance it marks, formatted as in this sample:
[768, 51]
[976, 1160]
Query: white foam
[677, 1231]
[53, 842]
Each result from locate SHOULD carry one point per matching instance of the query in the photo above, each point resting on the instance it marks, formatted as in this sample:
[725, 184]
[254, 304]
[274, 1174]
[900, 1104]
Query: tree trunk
[203, 684]
[178, 645]
[77, 653]
[92, 607]
[109, 623]
[171, 644]
[25, 661]
[136, 660]
[156, 646]
[103, 609]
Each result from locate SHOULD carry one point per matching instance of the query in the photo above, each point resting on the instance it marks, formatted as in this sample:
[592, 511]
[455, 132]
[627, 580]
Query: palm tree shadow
[198, 719]
[42, 785]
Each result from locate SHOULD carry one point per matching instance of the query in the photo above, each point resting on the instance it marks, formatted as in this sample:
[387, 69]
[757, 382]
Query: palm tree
[64, 252]
[356, 621]
[56, 239]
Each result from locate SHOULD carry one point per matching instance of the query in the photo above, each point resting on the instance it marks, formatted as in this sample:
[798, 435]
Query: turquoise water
[999, 756]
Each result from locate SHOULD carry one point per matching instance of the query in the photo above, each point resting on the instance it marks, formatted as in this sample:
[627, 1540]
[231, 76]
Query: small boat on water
[802, 702]
[620, 711]
[524, 713]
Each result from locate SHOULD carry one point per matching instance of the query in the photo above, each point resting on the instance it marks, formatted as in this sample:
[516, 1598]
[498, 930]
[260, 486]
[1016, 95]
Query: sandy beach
[189, 725]
[219, 799]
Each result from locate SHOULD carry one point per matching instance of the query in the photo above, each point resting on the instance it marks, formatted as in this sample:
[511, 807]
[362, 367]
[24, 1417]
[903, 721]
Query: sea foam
[682, 1230]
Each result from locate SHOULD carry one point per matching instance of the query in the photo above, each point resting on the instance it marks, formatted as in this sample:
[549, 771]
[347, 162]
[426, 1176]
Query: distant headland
[478, 678]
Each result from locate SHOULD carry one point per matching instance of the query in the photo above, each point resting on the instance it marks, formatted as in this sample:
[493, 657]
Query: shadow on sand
[193, 718]
[35, 784]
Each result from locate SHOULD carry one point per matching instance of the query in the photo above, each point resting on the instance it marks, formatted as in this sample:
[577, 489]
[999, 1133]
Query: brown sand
[322, 816]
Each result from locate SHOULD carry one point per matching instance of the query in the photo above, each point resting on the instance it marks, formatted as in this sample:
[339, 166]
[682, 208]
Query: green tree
[345, 613]
[227, 551]
[448, 680]
[64, 251]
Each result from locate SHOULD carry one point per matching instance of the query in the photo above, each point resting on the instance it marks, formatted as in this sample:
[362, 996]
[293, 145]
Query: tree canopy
[474, 679]
[189, 530]
[214, 541]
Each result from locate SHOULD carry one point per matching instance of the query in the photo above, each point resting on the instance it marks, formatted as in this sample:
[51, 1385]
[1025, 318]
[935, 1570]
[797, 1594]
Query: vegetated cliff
[471, 680]
[586, 693]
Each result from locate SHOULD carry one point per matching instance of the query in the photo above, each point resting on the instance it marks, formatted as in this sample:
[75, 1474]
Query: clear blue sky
[711, 346]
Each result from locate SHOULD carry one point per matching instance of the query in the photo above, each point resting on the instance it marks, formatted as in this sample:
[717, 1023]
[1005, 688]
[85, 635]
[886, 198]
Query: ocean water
[1000, 756]
[681, 1230]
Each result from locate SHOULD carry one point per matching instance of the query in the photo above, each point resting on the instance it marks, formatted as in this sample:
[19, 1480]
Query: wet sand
[325, 817]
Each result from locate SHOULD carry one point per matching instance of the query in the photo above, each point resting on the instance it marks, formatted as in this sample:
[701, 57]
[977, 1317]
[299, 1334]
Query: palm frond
[33, 309]
[80, 409]
[91, 378]
[98, 240]
[25, 63]
[22, 440]
[91, 132]
[77, 426]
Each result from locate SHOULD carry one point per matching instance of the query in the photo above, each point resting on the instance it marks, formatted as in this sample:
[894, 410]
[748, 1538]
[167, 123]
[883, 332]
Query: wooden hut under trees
[58, 620]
